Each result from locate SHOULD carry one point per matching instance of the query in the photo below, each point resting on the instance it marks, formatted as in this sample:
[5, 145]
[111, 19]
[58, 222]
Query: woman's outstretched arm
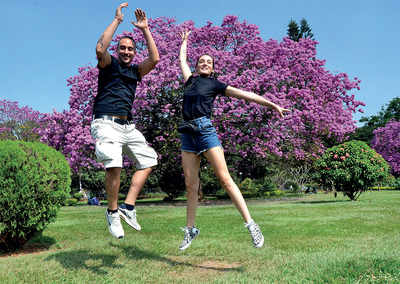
[251, 97]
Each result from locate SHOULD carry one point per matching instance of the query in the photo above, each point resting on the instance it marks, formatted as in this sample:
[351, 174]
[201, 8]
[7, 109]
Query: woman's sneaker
[129, 216]
[190, 235]
[256, 234]
[114, 225]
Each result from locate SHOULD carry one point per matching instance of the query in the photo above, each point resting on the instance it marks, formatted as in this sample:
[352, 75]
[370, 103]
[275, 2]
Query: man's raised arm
[103, 57]
[150, 62]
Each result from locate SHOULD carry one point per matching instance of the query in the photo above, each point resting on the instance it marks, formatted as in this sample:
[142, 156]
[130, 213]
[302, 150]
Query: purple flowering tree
[287, 73]
[18, 123]
[68, 133]
[386, 142]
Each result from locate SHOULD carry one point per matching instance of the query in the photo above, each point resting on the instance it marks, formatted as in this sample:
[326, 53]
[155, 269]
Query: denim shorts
[201, 141]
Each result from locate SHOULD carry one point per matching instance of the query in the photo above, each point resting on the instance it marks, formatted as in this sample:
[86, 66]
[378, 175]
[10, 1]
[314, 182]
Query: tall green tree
[388, 112]
[305, 30]
[293, 30]
[296, 32]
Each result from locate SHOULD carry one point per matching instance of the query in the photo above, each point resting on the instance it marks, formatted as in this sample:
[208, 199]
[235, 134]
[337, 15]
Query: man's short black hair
[131, 38]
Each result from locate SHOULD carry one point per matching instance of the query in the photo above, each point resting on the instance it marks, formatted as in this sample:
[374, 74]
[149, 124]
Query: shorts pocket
[207, 130]
[106, 150]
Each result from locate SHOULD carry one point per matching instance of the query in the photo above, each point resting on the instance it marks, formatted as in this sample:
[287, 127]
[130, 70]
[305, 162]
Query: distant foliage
[387, 143]
[34, 183]
[71, 202]
[69, 133]
[295, 32]
[389, 112]
[351, 168]
[18, 123]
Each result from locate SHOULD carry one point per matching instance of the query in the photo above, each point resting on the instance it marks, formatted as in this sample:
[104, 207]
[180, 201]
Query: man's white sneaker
[114, 225]
[129, 216]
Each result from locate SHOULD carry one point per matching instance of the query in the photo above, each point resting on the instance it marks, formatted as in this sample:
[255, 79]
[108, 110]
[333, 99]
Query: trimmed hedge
[34, 182]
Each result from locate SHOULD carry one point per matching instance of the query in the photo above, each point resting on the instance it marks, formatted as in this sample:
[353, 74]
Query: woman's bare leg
[217, 160]
[191, 167]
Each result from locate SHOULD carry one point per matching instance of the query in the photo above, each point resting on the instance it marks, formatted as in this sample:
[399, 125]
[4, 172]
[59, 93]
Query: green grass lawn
[314, 239]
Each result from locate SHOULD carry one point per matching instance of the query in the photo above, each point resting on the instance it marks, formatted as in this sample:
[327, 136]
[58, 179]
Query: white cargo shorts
[113, 140]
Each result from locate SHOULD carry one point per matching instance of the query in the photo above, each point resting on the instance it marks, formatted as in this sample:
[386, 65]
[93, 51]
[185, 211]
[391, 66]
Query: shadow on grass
[85, 259]
[36, 244]
[94, 262]
[136, 253]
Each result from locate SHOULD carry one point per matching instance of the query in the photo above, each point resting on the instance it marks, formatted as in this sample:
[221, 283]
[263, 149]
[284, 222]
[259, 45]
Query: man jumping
[112, 127]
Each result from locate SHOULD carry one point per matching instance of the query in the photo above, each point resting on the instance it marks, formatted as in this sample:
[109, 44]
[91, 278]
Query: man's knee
[113, 172]
[149, 169]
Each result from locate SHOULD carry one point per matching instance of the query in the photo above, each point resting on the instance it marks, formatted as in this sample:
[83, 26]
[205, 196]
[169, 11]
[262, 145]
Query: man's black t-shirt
[116, 89]
[199, 96]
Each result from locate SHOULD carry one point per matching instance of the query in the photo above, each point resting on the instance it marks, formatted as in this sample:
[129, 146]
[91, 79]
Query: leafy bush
[396, 184]
[382, 188]
[121, 196]
[92, 181]
[276, 192]
[34, 183]
[292, 186]
[273, 193]
[71, 202]
[351, 168]
[172, 182]
[249, 188]
[78, 195]
[209, 182]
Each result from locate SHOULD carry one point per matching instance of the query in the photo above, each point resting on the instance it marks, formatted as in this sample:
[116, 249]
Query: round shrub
[34, 182]
[93, 181]
[351, 168]
[249, 188]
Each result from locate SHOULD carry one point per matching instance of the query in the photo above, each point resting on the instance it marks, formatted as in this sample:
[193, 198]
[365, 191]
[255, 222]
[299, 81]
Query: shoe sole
[128, 221]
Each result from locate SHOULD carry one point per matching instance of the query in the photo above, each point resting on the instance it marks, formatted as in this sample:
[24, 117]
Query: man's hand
[118, 13]
[141, 20]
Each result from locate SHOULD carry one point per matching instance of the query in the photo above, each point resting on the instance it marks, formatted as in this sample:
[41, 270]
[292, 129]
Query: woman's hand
[185, 35]
[281, 110]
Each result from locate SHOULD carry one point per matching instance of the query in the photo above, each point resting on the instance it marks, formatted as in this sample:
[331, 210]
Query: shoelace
[115, 219]
[187, 234]
[255, 233]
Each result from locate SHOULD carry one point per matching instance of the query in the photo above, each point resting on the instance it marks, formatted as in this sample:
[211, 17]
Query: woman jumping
[198, 136]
